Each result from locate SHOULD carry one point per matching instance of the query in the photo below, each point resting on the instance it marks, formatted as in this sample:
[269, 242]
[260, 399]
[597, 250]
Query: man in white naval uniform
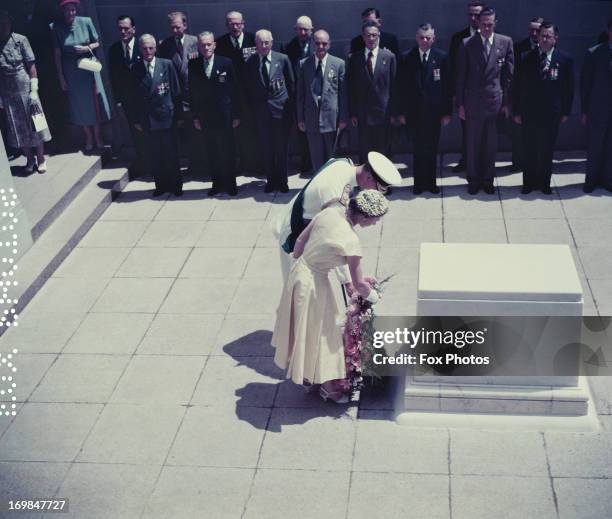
[332, 184]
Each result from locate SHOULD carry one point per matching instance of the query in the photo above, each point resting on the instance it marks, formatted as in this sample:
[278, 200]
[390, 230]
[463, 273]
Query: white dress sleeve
[350, 247]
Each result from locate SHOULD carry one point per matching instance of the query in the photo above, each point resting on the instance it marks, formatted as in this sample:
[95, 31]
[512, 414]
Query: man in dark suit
[387, 40]
[321, 100]
[596, 96]
[520, 48]
[298, 49]
[371, 92]
[542, 100]
[239, 45]
[427, 104]
[485, 66]
[122, 56]
[473, 10]
[179, 48]
[270, 84]
[155, 95]
[215, 107]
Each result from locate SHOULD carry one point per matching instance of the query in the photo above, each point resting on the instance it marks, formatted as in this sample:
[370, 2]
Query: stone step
[44, 197]
[65, 223]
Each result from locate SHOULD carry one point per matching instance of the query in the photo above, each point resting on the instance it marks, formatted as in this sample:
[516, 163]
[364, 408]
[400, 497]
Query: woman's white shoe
[42, 167]
[338, 397]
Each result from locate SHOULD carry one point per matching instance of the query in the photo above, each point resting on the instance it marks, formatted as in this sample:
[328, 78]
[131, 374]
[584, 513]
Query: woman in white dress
[307, 334]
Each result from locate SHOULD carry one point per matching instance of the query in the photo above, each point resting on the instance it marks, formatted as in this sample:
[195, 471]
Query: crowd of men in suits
[237, 99]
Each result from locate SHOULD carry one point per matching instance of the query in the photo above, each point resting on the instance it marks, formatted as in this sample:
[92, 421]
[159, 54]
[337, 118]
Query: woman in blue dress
[74, 38]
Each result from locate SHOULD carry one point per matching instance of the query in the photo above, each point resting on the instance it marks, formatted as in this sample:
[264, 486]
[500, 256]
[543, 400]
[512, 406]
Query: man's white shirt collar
[150, 64]
[490, 38]
[473, 31]
[323, 62]
[240, 39]
[374, 52]
[424, 52]
[129, 46]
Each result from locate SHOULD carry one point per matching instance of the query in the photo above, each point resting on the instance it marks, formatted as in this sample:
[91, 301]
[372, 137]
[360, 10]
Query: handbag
[91, 64]
[39, 121]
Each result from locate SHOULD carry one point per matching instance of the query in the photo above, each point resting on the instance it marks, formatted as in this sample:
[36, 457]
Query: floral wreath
[371, 202]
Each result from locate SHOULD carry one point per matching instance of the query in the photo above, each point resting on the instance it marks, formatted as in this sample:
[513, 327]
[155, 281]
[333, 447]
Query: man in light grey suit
[321, 100]
[485, 66]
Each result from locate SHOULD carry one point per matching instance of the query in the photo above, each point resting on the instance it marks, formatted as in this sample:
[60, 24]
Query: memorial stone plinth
[498, 280]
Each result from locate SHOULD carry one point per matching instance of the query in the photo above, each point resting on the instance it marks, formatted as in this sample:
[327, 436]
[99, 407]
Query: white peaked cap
[384, 168]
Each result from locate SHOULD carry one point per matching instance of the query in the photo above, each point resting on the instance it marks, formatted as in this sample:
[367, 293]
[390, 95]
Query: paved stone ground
[146, 386]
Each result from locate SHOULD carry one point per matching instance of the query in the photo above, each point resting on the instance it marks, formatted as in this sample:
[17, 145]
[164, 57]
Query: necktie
[318, 80]
[236, 43]
[543, 65]
[151, 68]
[370, 64]
[424, 61]
[207, 68]
[487, 48]
[179, 48]
[264, 72]
[126, 53]
[305, 49]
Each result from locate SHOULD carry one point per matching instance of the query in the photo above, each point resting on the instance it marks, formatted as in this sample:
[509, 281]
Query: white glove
[373, 297]
[34, 89]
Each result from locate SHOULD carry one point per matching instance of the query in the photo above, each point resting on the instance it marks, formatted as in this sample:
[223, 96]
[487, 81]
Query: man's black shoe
[417, 190]
[489, 190]
[435, 190]
[459, 167]
[269, 188]
[232, 191]
[526, 190]
[587, 188]
[472, 190]
[515, 169]
[158, 192]
[214, 191]
[546, 190]
[178, 191]
[284, 188]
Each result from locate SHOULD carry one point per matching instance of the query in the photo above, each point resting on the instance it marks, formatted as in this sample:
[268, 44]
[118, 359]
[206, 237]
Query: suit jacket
[213, 100]
[281, 88]
[387, 41]
[168, 50]
[596, 84]
[295, 53]
[372, 100]
[154, 99]
[521, 47]
[119, 69]
[542, 98]
[453, 51]
[483, 85]
[226, 48]
[425, 90]
[322, 116]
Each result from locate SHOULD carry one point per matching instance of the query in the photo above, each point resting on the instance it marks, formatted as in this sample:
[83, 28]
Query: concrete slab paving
[181, 334]
[146, 360]
[122, 333]
[121, 490]
[137, 434]
[482, 497]
[277, 494]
